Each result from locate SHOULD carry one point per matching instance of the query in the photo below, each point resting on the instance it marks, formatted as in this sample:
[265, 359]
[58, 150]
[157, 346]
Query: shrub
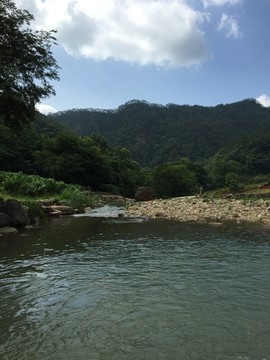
[232, 181]
[75, 197]
[172, 179]
[29, 185]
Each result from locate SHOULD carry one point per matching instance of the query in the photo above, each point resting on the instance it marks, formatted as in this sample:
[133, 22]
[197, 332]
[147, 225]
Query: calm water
[90, 288]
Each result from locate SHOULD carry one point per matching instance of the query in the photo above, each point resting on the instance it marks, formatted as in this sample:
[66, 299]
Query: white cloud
[230, 26]
[208, 3]
[159, 32]
[264, 100]
[45, 109]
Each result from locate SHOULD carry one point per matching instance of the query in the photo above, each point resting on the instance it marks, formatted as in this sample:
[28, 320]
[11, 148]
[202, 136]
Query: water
[93, 288]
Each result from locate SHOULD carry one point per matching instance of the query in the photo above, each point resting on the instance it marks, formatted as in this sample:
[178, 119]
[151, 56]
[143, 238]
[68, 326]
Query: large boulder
[16, 213]
[144, 193]
[4, 220]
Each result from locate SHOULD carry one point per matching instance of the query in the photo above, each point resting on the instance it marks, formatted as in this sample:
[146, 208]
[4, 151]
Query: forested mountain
[155, 134]
[50, 149]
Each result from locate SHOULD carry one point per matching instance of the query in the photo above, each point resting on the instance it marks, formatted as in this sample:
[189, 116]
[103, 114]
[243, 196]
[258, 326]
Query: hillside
[155, 134]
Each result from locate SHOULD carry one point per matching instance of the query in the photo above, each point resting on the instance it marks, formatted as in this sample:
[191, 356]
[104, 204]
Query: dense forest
[50, 149]
[155, 134]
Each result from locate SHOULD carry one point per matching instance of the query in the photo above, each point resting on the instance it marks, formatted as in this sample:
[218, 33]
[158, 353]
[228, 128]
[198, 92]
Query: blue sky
[203, 52]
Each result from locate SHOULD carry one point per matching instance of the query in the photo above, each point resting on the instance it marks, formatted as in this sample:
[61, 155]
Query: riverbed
[126, 288]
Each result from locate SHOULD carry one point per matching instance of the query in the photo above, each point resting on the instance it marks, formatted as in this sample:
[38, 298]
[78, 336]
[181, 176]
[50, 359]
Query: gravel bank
[191, 208]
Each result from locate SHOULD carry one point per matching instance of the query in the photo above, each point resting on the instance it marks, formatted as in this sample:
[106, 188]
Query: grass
[30, 189]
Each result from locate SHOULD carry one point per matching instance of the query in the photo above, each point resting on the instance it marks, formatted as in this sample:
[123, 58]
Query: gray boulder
[16, 213]
[144, 193]
[4, 220]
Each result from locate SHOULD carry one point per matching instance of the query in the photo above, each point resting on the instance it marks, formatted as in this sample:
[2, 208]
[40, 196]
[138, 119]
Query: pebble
[191, 208]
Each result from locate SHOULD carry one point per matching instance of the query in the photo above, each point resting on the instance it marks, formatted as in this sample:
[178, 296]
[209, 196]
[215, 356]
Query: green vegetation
[52, 151]
[248, 160]
[73, 196]
[26, 65]
[176, 178]
[29, 185]
[55, 153]
[30, 188]
[156, 134]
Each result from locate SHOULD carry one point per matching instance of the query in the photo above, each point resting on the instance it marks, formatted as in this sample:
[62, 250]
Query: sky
[195, 52]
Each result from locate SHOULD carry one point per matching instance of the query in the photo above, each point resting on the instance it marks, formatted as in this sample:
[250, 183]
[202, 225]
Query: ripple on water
[156, 290]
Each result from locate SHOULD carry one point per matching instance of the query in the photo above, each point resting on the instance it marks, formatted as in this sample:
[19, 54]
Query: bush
[76, 198]
[29, 185]
[172, 179]
[232, 182]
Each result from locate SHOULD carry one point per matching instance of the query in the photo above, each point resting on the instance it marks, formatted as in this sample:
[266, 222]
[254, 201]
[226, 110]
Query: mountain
[156, 134]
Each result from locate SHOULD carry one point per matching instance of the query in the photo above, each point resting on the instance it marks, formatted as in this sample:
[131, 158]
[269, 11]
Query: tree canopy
[26, 65]
[247, 158]
[156, 134]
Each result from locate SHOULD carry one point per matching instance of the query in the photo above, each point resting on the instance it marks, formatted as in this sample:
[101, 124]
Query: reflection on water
[93, 288]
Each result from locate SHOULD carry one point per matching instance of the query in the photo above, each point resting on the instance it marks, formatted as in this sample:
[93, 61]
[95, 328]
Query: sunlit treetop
[26, 65]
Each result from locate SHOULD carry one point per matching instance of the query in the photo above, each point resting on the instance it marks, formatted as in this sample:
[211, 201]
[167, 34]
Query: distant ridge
[159, 133]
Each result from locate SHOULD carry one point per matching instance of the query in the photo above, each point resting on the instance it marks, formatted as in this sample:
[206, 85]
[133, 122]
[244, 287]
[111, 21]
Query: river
[116, 288]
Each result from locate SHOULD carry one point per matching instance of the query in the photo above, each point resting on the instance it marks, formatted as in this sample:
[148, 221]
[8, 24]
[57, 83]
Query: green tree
[232, 181]
[126, 174]
[74, 159]
[26, 65]
[173, 179]
[218, 167]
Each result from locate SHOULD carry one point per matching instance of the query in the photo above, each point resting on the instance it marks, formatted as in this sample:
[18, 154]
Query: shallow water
[93, 288]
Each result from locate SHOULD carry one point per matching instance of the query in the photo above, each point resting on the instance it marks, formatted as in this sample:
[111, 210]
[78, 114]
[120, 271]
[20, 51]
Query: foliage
[232, 182]
[29, 185]
[50, 150]
[88, 161]
[173, 179]
[156, 134]
[26, 65]
[55, 152]
[75, 197]
[247, 159]
[218, 168]
[32, 186]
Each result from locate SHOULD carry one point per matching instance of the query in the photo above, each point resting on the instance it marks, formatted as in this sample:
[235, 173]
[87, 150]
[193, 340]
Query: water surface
[91, 288]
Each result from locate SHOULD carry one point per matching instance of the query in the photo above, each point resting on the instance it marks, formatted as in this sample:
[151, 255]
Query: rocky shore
[191, 208]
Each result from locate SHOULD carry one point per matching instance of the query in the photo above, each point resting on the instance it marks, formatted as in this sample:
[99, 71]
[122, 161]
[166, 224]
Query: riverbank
[192, 208]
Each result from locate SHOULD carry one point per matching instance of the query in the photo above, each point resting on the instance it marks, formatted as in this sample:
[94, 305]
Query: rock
[55, 213]
[47, 209]
[48, 202]
[109, 199]
[144, 193]
[4, 220]
[217, 211]
[64, 209]
[16, 213]
[8, 230]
